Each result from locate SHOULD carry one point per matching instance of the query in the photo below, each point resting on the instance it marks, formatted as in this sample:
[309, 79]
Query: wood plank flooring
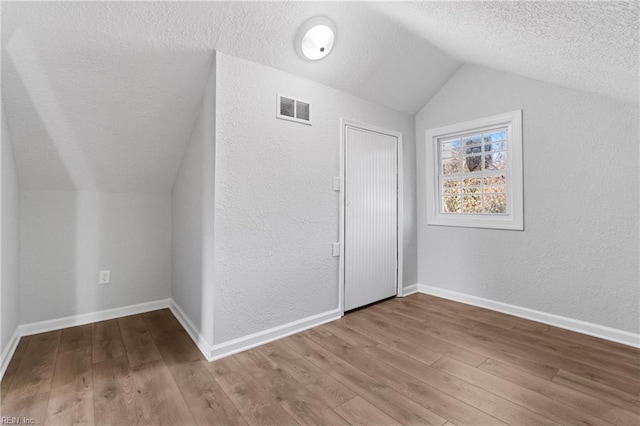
[415, 360]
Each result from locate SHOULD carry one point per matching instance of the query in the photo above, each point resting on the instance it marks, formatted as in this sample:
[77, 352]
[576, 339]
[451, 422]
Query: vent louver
[292, 109]
[302, 110]
[287, 107]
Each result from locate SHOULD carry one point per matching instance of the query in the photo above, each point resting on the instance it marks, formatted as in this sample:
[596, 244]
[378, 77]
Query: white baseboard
[193, 332]
[8, 352]
[406, 291]
[260, 338]
[602, 332]
[71, 321]
[211, 353]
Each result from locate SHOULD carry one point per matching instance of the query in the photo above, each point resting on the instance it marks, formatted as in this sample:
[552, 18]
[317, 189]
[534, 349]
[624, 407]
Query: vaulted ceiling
[585, 45]
[103, 96]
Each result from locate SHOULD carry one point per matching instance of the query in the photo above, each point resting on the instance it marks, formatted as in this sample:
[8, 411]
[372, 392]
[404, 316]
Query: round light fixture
[315, 38]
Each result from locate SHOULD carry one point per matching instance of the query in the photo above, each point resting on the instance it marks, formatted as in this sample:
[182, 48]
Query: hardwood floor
[415, 360]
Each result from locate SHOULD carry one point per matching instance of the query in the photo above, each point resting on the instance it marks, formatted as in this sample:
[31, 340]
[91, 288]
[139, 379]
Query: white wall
[276, 214]
[67, 237]
[192, 201]
[578, 256]
[9, 245]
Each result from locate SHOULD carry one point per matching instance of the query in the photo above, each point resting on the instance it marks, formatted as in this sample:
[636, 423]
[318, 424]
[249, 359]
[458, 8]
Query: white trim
[260, 338]
[74, 320]
[193, 332]
[71, 321]
[400, 215]
[210, 352]
[595, 330]
[9, 351]
[341, 218]
[514, 220]
[344, 122]
[407, 291]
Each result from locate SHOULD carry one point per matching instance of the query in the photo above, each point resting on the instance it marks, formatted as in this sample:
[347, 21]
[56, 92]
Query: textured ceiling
[586, 45]
[113, 118]
[103, 96]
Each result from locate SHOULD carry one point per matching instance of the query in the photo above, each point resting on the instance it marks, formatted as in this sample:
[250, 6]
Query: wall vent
[293, 109]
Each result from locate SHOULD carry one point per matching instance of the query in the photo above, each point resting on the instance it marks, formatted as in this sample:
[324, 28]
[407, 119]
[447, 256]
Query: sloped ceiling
[113, 118]
[103, 96]
[586, 45]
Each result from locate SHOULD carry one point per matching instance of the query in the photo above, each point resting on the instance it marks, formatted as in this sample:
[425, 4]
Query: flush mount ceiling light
[315, 38]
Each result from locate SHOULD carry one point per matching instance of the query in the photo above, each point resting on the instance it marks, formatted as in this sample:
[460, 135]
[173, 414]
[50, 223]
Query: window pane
[456, 148]
[472, 145]
[450, 166]
[495, 203]
[451, 204]
[495, 161]
[495, 180]
[451, 186]
[500, 135]
[496, 146]
[473, 163]
[451, 149]
[472, 204]
[472, 185]
[494, 189]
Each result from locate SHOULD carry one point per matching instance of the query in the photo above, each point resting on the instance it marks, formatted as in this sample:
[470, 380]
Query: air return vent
[293, 109]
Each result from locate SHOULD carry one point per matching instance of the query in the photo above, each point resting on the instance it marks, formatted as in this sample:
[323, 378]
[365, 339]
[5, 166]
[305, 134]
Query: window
[474, 173]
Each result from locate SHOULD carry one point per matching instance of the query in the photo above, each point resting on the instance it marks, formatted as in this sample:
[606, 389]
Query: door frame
[344, 123]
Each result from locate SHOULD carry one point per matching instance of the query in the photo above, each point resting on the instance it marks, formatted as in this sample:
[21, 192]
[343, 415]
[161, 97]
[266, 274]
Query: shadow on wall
[192, 216]
[70, 166]
[68, 236]
[48, 229]
[49, 238]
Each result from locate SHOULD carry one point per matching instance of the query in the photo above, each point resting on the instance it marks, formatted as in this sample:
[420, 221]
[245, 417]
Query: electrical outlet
[105, 277]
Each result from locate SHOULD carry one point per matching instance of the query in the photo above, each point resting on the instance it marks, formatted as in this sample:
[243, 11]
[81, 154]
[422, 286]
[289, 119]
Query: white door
[371, 217]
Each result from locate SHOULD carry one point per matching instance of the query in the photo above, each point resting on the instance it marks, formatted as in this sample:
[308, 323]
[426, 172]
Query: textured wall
[276, 212]
[9, 248]
[67, 237]
[192, 202]
[578, 256]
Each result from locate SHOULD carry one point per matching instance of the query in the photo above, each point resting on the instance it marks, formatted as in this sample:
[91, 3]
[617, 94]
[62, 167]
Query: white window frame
[514, 218]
